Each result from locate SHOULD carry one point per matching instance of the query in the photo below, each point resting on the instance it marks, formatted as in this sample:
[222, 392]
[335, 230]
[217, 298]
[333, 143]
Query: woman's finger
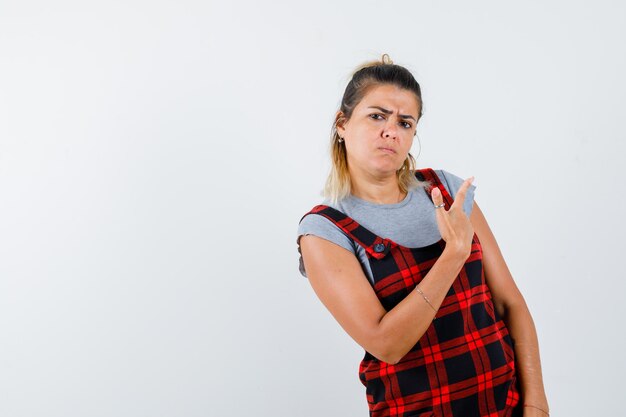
[437, 197]
[460, 194]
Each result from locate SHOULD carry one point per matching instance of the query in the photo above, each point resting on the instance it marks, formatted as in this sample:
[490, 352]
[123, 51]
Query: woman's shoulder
[450, 179]
[315, 223]
[442, 174]
[322, 218]
[320, 210]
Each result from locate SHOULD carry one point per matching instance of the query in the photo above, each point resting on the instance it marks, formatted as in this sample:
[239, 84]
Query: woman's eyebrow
[402, 116]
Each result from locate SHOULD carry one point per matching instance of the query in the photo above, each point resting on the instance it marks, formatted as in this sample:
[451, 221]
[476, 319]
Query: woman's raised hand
[454, 225]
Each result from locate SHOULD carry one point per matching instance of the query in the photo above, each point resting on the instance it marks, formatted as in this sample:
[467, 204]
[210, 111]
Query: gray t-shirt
[411, 222]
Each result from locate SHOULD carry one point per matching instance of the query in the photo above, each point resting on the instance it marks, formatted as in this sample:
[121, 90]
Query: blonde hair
[364, 78]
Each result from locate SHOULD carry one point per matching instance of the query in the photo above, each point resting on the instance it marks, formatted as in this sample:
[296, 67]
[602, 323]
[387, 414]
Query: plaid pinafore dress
[464, 364]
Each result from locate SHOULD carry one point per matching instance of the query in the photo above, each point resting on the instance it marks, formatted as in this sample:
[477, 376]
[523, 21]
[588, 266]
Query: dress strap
[375, 246]
[428, 174]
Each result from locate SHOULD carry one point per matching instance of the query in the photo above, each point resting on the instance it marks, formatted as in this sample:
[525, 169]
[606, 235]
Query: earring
[420, 144]
[340, 139]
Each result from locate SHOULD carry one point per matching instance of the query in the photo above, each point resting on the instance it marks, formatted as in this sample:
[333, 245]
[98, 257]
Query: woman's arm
[339, 282]
[510, 304]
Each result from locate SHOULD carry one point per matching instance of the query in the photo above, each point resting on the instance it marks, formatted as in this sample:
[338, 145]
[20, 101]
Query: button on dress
[464, 364]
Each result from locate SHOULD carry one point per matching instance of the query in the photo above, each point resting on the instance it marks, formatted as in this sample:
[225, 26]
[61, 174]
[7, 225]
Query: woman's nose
[390, 131]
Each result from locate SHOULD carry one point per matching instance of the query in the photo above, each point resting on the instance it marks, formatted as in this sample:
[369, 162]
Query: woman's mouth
[387, 150]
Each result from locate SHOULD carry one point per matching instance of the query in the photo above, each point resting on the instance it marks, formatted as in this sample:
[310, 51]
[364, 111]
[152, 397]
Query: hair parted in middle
[364, 78]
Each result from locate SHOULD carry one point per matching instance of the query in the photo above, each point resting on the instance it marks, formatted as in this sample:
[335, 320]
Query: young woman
[413, 274]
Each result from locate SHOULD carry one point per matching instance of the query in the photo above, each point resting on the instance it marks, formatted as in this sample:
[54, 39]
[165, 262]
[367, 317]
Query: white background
[156, 158]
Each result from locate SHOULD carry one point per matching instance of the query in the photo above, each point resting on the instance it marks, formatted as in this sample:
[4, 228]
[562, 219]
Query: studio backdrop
[156, 158]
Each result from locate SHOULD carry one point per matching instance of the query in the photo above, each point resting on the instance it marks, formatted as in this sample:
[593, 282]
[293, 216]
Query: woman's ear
[340, 121]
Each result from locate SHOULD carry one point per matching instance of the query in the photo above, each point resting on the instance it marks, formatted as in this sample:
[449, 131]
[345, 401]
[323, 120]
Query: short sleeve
[318, 225]
[452, 184]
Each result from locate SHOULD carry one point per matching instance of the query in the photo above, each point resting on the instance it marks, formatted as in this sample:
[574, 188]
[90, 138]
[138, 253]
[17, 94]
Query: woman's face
[379, 135]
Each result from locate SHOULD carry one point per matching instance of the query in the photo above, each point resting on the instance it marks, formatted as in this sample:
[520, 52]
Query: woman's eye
[376, 116]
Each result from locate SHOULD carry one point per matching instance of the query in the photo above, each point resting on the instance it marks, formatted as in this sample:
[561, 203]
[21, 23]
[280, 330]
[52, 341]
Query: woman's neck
[377, 190]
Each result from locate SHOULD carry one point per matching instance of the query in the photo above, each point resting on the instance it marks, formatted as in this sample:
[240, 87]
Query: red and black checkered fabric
[464, 364]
